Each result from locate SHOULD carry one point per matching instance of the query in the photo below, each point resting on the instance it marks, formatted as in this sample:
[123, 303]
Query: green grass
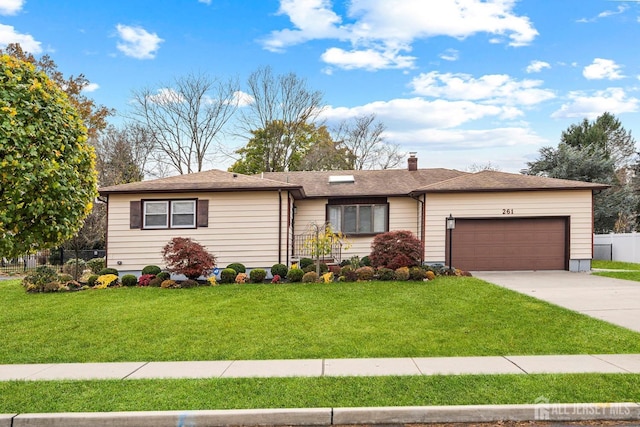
[625, 275]
[148, 395]
[615, 265]
[447, 317]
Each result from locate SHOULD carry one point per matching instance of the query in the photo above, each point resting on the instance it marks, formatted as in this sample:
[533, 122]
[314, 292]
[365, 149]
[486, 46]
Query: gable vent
[341, 179]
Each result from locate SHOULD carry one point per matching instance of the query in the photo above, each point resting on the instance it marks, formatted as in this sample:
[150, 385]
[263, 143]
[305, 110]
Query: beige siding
[404, 214]
[575, 204]
[243, 227]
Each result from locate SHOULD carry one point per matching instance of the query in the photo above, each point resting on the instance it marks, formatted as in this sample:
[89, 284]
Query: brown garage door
[509, 244]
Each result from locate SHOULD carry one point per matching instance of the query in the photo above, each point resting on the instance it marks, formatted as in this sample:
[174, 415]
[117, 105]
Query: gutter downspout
[421, 220]
[279, 226]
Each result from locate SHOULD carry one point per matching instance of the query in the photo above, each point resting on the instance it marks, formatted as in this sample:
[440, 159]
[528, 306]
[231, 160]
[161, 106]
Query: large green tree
[47, 168]
[599, 151]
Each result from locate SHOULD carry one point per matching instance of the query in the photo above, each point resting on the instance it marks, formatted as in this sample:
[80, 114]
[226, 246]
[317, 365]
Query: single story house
[503, 221]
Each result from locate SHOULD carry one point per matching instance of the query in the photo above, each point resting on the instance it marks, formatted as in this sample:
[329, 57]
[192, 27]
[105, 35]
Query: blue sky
[460, 82]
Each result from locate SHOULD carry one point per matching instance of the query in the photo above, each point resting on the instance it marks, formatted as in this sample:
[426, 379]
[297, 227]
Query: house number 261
[507, 211]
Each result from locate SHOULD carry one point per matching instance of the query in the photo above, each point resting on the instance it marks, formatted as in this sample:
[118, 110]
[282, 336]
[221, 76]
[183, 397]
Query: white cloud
[584, 105]
[380, 30]
[10, 7]
[450, 55]
[8, 34]
[607, 13]
[455, 139]
[204, 1]
[490, 89]
[166, 96]
[242, 99]
[602, 69]
[537, 66]
[137, 42]
[91, 87]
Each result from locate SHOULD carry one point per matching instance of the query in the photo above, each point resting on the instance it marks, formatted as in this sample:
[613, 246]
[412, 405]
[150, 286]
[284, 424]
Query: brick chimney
[412, 161]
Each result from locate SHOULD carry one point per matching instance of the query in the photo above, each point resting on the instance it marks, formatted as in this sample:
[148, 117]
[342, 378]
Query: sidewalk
[603, 363]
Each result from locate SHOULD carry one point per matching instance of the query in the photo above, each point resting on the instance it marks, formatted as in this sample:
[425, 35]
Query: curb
[334, 416]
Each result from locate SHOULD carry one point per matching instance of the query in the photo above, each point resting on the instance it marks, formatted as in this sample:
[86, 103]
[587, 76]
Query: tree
[184, 119]
[186, 256]
[599, 152]
[284, 108]
[363, 138]
[47, 174]
[94, 116]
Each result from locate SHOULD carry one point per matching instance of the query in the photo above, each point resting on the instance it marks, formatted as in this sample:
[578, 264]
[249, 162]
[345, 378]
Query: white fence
[617, 247]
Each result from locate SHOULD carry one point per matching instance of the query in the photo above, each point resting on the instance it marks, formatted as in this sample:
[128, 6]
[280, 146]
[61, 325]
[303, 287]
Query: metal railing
[53, 258]
[303, 247]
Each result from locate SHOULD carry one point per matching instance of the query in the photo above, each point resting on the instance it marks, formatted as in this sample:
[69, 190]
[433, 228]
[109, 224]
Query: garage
[503, 244]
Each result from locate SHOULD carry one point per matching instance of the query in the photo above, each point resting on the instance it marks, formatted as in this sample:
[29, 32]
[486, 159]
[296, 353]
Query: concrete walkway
[603, 363]
[613, 300]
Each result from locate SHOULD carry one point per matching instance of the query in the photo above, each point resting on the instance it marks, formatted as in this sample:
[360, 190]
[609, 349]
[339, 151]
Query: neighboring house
[503, 221]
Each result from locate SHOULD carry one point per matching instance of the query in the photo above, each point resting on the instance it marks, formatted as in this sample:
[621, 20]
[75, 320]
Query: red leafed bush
[396, 249]
[188, 257]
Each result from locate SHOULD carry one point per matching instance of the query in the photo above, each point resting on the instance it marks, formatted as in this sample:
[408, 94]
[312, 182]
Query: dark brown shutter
[135, 214]
[203, 213]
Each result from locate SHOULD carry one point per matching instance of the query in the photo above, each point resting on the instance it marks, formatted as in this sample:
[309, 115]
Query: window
[170, 214]
[359, 218]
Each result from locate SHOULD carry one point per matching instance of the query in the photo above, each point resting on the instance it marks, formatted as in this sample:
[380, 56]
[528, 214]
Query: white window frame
[340, 217]
[169, 215]
[166, 214]
[193, 213]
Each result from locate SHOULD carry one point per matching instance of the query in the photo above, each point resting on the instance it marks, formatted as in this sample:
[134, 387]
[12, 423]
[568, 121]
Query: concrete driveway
[613, 300]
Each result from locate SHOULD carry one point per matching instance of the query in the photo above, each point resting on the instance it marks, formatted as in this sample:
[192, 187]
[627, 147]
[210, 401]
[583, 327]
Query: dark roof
[500, 181]
[388, 182]
[213, 180]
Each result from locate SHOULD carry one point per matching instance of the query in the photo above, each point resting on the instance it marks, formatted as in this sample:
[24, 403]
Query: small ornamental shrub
[145, 279]
[96, 264]
[151, 269]
[163, 275]
[327, 277]
[305, 262]
[74, 267]
[402, 273]
[52, 287]
[310, 277]
[396, 249]
[241, 278]
[91, 281]
[156, 282]
[85, 276]
[187, 284]
[212, 281]
[107, 271]
[438, 269]
[276, 279]
[239, 268]
[257, 275]
[365, 273]
[106, 280]
[129, 280]
[185, 256]
[416, 273]
[168, 284]
[366, 261]
[228, 275]
[354, 262]
[295, 274]
[335, 269]
[348, 273]
[280, 270]
[64, 278]
[385, 274]
[323, 268]
[38, 278]
[430, 275]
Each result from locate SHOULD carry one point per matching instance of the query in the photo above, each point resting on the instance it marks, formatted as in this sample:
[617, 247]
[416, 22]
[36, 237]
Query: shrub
[365, 273]
[185, 256]
[187, 284]
[239, 268]
[430, 275]
[64, 278]
[276, 279]
[212, 280]
[396, 249]
[295, 274]
[438, 269]
[385, 274]
[348, 273]
[305, 262]
[416, 273]
[96, 264]
[323, 268]
[91, 281]
[151, 269]
[328, 277]
[228, 275]
[74, 267]
[163, 275]
[310, 277]
[241, 278]
[402, 273]
[145, 279]
[257, 275]
[106, 280]
[156, 282]
[335, 270]
[167, 284]
[366, 261]
[38, 278]
[280, 270]
[107, 271]
[129, 280]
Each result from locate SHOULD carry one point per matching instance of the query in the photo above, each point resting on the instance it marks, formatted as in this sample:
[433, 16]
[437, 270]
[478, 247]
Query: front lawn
[450, 316]
[614, 265]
